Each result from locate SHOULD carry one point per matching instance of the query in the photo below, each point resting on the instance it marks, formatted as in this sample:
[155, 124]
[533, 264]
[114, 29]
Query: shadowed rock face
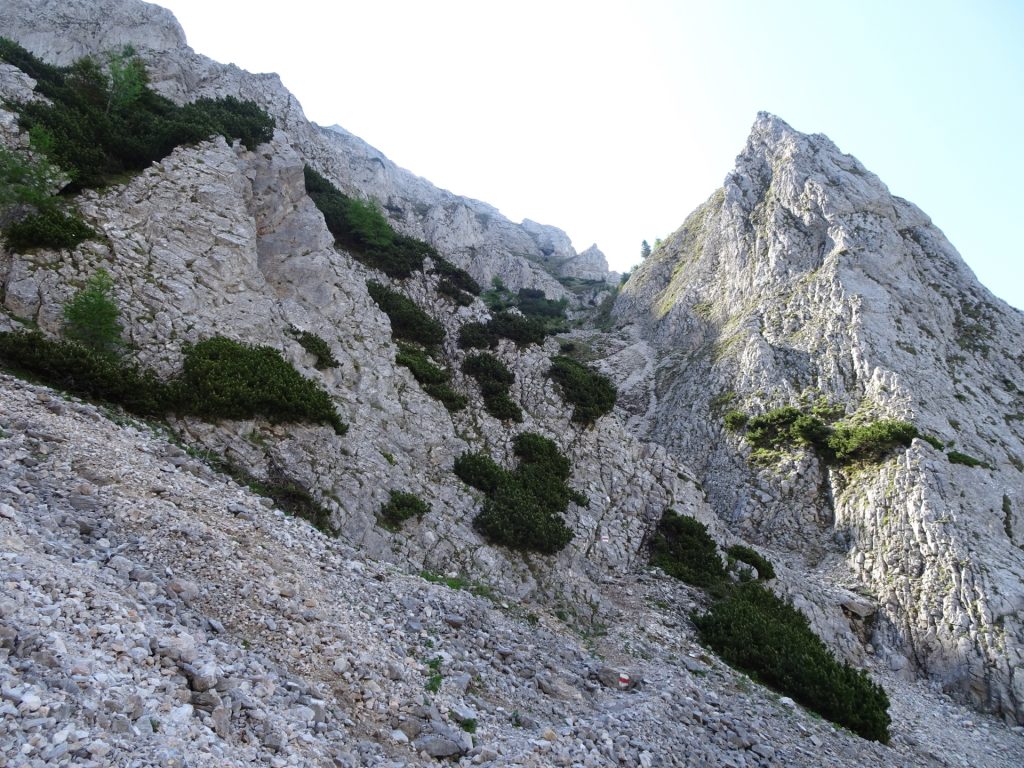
[804, 278]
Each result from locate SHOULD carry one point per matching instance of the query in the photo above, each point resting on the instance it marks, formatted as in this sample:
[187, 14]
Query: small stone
[399, 736]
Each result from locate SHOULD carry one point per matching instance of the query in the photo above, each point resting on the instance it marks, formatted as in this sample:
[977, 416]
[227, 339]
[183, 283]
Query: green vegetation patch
[495, 380]
[101, 121]
[91, 317]
[401, 506]
[683, 548]
[221, 379]
[523, 509]
[839, 444]
[956, 457]
[360, 227]
[755, 631]
[591, 394]
[408, 321]
[317, 347]
[752, 557]
[434, 380]
[225, 379]
[50, 227]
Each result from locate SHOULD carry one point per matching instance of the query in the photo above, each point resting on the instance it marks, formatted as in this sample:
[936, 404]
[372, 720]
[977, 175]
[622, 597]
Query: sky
[614, 120]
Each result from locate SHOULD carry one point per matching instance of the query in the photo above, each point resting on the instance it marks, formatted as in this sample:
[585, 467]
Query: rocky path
[154, 613]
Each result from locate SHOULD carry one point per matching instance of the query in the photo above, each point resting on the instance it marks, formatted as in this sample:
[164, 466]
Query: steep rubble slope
[803, 281]
[154, 613]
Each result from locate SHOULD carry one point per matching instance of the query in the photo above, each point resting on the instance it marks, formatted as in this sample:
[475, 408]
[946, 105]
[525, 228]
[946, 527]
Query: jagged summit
[803, 279]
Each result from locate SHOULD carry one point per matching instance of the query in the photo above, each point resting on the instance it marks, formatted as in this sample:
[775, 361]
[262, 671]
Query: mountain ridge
[217, 239]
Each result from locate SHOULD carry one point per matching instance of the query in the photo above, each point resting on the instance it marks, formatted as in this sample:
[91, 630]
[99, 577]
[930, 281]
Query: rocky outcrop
[801, 279]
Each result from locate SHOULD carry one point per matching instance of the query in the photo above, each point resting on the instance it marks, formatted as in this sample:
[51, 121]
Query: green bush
[682, 548]
[91, 317]
[869, 442]
[503, 325]
[955, 457]
[408, 321]
[98, 124]
[49, 227]
[400, 507]
[495, 380]
[86, 372]
[768, 638]
[751, 557]
[455, 282]
[840, 444]
[434, 380]
[225, 379]
[291, 497]
[524, 508]
[735, 420]
[360, 227]
[317, 347]
[480, 471]
[591, 394]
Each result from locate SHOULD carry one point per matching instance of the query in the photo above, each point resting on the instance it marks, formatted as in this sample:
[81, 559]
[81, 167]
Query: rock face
[801, 279]
[206, 627]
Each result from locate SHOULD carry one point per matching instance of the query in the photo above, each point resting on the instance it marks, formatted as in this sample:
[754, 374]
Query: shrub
[767, 637]
[840, 444]
[91, 317]
[99, 124]
[49, 227]
[495, 380]
[360, 227]
[933, 441]
[291, 496]
[400, 507]
[869, 442]
[455, 282]
[955, 457]
[735, 420]
[480, 471]
[86, 372]
[408, 321]
[317, 347]
[226, 379]
[683, 548]
[753, 558]
[523, 509]
[433, 379]
[591, 394]
[504, 325]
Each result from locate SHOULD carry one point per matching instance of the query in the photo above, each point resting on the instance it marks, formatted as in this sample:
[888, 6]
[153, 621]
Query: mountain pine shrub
[317, 347]
[408, 321]
[683, 548]
[745, 554]
[755, 631]
[495, 380]
[523, 509]
[434, 380]
[399, 507]
[591, 394]
[99, 122]
[360, 227]
[225, 379]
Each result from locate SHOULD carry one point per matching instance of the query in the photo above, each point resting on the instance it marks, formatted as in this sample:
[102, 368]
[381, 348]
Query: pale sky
[614, 120]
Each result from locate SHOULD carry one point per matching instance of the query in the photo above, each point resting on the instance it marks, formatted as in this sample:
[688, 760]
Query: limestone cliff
[801, 280]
